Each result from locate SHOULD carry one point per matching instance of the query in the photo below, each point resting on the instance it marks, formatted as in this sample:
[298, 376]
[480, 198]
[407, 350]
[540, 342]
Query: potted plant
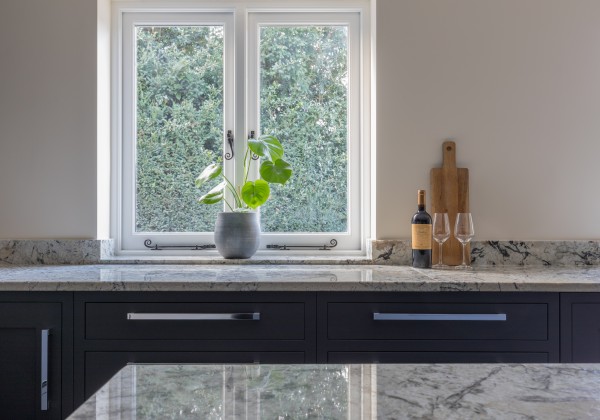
[237, 232]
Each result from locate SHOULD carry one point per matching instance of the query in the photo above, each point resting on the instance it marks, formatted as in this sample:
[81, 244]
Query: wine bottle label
[421, 236]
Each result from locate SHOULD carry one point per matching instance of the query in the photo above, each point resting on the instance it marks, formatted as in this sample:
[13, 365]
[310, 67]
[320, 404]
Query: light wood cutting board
[449, 193]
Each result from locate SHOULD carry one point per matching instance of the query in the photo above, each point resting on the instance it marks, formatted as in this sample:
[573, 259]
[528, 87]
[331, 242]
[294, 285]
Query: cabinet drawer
[194, 321]
[436, 357]
[436, 321]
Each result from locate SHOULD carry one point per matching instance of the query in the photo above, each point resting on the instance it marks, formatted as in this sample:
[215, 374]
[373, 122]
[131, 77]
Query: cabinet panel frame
[567, 330]
[166, 347]
[550, 346]
[61, 339]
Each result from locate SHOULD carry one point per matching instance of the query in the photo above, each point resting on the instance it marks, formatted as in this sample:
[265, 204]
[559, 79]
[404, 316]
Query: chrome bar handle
[438, 317]
[252, 316]
[44, 371]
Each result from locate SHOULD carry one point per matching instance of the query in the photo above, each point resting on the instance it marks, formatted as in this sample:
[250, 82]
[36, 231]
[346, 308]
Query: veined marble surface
[503, 253]
[295, 278]
[425, 391]
[59, 251]
[381, 252]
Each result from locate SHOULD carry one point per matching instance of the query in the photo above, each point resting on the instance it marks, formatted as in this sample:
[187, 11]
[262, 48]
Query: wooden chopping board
[450, 194]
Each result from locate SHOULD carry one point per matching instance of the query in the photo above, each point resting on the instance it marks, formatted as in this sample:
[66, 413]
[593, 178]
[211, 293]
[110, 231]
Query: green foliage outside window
[179, 124]
[304, 103]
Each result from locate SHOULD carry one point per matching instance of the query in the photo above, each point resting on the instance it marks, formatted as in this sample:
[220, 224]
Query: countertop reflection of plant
[252, 193]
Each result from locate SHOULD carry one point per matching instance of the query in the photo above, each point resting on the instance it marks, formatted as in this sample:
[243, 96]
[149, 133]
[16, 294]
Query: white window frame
[129, 238]
[241, 19]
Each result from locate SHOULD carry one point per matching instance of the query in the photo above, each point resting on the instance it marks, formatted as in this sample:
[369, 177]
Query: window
[190, 79]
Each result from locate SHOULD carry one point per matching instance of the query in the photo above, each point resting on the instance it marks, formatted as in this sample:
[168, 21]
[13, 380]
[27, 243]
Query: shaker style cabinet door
[580, 327]
[30, 359]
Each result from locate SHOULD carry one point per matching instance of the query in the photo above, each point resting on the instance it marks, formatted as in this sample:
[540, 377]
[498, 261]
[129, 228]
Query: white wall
[47, 119]
[516, 83]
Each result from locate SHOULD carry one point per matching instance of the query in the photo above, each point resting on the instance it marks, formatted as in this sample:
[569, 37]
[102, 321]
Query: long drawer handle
[438, 317]
[44, 371]
[251, 316]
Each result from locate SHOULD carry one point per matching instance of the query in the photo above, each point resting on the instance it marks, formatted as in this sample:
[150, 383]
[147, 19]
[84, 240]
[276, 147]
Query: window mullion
[239, 70]
[230, 111]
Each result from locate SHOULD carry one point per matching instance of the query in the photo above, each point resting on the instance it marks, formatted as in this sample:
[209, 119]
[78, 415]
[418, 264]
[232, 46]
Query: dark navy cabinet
[438, 327]
[116, 328]
[580, 327]
[36, 355]
[67, 345]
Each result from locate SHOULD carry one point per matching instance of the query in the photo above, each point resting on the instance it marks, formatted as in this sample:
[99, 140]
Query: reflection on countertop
[431, 391]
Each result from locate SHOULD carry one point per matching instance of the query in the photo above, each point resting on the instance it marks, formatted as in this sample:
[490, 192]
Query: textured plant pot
[237, 235]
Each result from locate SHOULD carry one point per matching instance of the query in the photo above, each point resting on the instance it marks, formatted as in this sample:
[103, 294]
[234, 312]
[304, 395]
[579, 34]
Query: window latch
[228, 155]
[251, 136]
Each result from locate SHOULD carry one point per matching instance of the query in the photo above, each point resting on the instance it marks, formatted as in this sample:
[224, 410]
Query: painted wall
[47, 119]
[516, 83]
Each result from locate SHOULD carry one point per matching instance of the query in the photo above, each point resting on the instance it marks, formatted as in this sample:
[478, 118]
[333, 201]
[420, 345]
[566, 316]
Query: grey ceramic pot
[237, 235]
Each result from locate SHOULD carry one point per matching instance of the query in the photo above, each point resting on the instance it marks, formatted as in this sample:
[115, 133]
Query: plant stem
[236, 197]
[246, 165]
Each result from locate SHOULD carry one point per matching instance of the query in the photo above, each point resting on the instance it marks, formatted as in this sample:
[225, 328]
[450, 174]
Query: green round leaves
[277, 172]
[255, 193]
[210, 172]
[266, 146]
[215, 195]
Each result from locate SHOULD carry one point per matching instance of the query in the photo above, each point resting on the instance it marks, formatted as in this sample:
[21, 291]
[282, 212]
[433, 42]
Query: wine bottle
[421, 234]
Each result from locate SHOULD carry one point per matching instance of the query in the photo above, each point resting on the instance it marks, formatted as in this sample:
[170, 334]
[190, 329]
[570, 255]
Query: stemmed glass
[441, 233]
[464, 232]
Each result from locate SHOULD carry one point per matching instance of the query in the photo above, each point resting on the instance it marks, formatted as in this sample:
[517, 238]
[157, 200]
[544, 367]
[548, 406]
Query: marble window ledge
[380, 252]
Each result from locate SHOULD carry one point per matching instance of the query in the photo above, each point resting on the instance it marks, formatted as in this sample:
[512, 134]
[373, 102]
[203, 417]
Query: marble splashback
[59, 251]
[380, 252]
[498, 253]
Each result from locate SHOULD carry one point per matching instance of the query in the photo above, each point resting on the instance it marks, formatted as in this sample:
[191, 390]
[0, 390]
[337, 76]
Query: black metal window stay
[324, 247]
[156, 247]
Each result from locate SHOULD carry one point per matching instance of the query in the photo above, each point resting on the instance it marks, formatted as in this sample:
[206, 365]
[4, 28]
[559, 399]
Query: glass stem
[464, 254]
[440, 256]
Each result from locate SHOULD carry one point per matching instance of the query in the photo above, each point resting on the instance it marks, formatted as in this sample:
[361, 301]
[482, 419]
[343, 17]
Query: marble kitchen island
[407, 391]
[101, 317]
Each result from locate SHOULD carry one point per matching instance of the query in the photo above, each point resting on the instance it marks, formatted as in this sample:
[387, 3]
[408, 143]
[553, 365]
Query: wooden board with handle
[449, 194]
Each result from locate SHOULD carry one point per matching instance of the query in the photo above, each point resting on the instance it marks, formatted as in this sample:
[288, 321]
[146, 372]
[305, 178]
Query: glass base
[440, 266]
[463, 267]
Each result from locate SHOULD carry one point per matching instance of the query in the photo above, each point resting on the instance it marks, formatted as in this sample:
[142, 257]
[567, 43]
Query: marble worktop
[154, 277]
[425, 391]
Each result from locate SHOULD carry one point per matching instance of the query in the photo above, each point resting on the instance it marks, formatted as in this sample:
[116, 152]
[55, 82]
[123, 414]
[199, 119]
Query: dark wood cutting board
[450, 194]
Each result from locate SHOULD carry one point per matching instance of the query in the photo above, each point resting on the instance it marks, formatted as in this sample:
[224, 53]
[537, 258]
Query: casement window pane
[179, 103]
[304, 102]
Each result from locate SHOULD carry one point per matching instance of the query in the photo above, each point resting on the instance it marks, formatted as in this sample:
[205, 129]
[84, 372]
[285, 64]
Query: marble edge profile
[296, 286]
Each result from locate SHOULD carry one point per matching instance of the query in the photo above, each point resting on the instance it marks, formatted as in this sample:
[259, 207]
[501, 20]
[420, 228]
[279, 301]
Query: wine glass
[464, 232]
[441, 233]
